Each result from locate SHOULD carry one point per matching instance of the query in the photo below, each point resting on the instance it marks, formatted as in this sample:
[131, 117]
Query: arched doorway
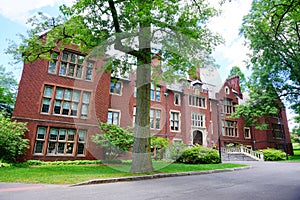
[197, 137]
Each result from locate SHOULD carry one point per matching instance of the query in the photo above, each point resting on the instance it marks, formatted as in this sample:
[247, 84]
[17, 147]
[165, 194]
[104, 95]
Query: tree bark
[141, 154]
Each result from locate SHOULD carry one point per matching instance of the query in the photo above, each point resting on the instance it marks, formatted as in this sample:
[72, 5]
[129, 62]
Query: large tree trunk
[141, 154]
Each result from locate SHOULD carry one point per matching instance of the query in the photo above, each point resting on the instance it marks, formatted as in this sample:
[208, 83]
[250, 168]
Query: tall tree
[236, 71]
[272, 31]
[8, 92]
[176, 28]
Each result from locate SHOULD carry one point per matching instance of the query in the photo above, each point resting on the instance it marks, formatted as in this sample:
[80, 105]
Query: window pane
[74, 109]
[73, 58]
[79, 72]
[39, 146]
[51, 147]
[67, 95]
[52, 67]
[48, 91]
[45, 105]
[80, 59]
[62, 134]
[81, 135]
[80, 148]
[59, 93]
[86, 97]
[65, 56]
[53, 134]
[57, 107]
[116, 118]
[63, 69]
[69, 149]
[88, 75]
[84, 110]
[41, 133]
[109, 117]
[61, 148]
[71, 135]
[76, 96]
[71, 70]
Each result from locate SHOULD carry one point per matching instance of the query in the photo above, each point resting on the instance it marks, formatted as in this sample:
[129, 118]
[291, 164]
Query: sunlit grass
[79, 173]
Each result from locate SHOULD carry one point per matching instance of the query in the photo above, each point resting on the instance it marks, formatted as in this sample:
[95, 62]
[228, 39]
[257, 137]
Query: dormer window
[227, 91]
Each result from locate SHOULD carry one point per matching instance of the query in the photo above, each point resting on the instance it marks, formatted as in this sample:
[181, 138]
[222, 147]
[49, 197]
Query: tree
[12, 144]
[271, 29]
[236, 71]
[115, 140]
[8, 92]
[138, 28]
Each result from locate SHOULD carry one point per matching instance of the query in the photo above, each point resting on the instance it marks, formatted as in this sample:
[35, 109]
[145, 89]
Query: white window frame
[114, 112]
[172, 120]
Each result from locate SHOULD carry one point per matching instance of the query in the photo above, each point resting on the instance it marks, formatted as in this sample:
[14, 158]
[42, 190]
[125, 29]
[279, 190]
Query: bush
[12, 144]
[273, 154]
[173, 152]
[199, 155]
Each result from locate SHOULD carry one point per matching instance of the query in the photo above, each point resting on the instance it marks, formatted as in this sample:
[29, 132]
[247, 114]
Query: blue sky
[14, 14]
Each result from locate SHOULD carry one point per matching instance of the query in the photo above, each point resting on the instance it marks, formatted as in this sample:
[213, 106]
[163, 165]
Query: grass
[296, 156]
[71, 174]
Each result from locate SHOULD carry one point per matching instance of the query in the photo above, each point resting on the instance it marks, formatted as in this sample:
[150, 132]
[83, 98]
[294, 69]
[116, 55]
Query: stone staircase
[241, 153]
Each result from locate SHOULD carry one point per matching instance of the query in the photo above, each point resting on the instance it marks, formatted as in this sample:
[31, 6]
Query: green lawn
[296, 156]
[71, 174]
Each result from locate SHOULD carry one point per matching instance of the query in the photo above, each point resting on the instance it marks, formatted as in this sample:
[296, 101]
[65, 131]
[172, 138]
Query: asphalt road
[264, 181]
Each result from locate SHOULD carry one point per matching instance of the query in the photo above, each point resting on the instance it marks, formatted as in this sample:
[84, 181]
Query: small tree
[12, 144]
[159, 144]
[115, 140]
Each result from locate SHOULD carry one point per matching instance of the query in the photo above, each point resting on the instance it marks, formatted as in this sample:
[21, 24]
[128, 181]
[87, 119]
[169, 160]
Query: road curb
[156, 176]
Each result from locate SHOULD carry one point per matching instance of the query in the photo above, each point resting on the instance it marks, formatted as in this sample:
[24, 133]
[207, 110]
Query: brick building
[62, 101]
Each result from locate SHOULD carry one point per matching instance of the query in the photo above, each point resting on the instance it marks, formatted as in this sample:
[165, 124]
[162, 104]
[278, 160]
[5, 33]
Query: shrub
[12, 144]
[199, 155]
[173, 152]
[273, 154]
[115, 140]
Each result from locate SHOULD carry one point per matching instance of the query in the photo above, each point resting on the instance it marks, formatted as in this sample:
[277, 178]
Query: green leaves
[115, 140]
[272, 32]
[8, 92]
[12, 144]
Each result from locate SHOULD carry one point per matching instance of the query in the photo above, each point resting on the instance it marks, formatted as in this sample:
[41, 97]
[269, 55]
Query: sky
[14, 14]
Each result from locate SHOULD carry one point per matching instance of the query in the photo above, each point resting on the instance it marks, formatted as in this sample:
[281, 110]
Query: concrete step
[236, 156]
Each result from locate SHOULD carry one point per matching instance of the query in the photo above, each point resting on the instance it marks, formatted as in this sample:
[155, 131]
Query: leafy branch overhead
[272, 32]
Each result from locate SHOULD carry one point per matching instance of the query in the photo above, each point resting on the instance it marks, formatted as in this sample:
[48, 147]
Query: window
[113, 117]
[155, 92]
[81, 142]
[115, 88]
[71, 65]
[53, 64]
[228, 106]
[89, 71]
[40, 140]
[227, 91]
[229, 128]
[61, 141]
[277, 131]
[197, 101]
[198, 120]
[174, 121]
[65, 102]
[47, 96]
[133, 114]
[155, 116]
[177, 99]
[247, 133]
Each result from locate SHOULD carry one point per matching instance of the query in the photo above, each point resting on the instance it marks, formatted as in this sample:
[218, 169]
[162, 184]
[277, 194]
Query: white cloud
[233, 52]
[19, 11]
